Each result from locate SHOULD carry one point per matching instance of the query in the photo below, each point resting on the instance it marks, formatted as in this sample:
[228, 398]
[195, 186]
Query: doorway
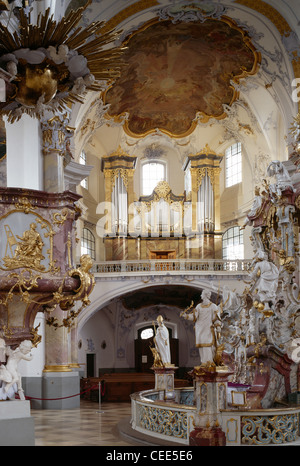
[90, 364]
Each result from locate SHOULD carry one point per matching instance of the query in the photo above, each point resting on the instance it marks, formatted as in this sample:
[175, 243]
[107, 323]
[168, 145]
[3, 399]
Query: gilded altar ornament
[171, 423]
[157, 359]
[28, 252]
[36, 338]
[50, 77]
[87, 280]
[87, 283]
[25, 282]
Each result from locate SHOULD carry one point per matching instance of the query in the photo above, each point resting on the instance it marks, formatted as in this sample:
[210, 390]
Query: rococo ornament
[50, 65]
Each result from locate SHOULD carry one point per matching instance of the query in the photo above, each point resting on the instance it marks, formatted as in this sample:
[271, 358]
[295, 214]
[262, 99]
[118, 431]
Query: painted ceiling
[175, 73]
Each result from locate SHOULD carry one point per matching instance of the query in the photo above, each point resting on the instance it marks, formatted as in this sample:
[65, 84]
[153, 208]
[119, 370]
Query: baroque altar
[246, 388]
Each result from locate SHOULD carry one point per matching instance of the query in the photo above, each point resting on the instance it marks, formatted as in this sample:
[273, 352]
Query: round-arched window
[147, 333]
[88, 243]
[152, 174]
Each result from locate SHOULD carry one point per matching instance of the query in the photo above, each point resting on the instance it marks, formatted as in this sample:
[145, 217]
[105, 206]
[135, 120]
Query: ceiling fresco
[176, 72]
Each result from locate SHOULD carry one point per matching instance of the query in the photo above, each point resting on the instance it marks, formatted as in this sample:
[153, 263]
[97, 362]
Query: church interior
[149, 192]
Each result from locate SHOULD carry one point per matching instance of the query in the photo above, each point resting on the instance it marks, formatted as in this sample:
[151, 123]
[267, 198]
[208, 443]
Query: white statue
[265, 276]
[283, 179]
[9, 376]
[230, 301]
[207, 323]
[162, 342]
[256, 206]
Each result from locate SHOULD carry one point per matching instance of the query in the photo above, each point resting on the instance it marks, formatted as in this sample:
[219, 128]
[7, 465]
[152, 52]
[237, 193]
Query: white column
[24, 154]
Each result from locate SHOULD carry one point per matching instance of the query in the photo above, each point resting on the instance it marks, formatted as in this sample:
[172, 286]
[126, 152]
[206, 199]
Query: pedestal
[59, 388]
[16, 424]
[207, 437]
[211, 398]
[164, 382]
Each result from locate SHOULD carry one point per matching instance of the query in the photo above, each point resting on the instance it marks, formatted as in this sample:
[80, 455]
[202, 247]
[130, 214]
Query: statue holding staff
[207, 326]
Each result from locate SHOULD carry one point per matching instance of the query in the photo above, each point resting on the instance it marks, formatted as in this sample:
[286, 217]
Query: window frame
[152, 162]
[90, 240]
[240, 236]
[232, 179]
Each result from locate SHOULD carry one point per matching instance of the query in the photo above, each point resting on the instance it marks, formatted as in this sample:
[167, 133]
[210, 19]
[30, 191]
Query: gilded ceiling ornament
[52, 64]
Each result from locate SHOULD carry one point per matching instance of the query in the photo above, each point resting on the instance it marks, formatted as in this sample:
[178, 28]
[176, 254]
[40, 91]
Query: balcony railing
[173, 266]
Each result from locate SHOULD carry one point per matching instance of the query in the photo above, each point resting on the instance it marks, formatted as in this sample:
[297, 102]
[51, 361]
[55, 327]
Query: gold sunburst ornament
[51, 64]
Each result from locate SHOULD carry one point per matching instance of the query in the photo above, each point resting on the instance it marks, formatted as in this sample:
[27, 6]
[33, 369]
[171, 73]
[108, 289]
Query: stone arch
[101, 297]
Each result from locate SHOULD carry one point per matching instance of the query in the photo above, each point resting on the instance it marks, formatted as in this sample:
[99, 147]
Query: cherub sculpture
[10, 377]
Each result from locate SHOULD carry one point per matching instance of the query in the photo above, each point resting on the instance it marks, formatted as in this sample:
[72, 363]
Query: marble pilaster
[24, 160]
[56, 344]
[55, 138]
[211, 398]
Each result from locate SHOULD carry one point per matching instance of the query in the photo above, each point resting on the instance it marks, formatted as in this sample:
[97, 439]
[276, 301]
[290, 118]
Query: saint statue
[256, 206]
[162, 342]
[265, 277]
[207, 323]
[283, 179]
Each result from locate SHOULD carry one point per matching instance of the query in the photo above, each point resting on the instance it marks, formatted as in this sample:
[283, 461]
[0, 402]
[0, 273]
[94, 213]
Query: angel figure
[9, 374]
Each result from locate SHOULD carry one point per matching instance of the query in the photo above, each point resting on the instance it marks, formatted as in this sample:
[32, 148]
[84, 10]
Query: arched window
[233, 244]
[82, 161]
[233, 164]
[88, 243]
[152, 173]
[147, 333]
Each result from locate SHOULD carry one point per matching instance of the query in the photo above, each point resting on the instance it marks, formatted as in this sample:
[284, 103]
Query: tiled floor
[85, 426]
[89, 425]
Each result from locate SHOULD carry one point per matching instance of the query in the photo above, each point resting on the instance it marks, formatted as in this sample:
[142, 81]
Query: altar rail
[174, 266]
[262, 426]
[174, 421]
[160, 419]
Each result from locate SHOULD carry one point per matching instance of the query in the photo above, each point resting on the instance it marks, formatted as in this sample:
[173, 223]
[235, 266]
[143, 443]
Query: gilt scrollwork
[266, 430]
[164, 421]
